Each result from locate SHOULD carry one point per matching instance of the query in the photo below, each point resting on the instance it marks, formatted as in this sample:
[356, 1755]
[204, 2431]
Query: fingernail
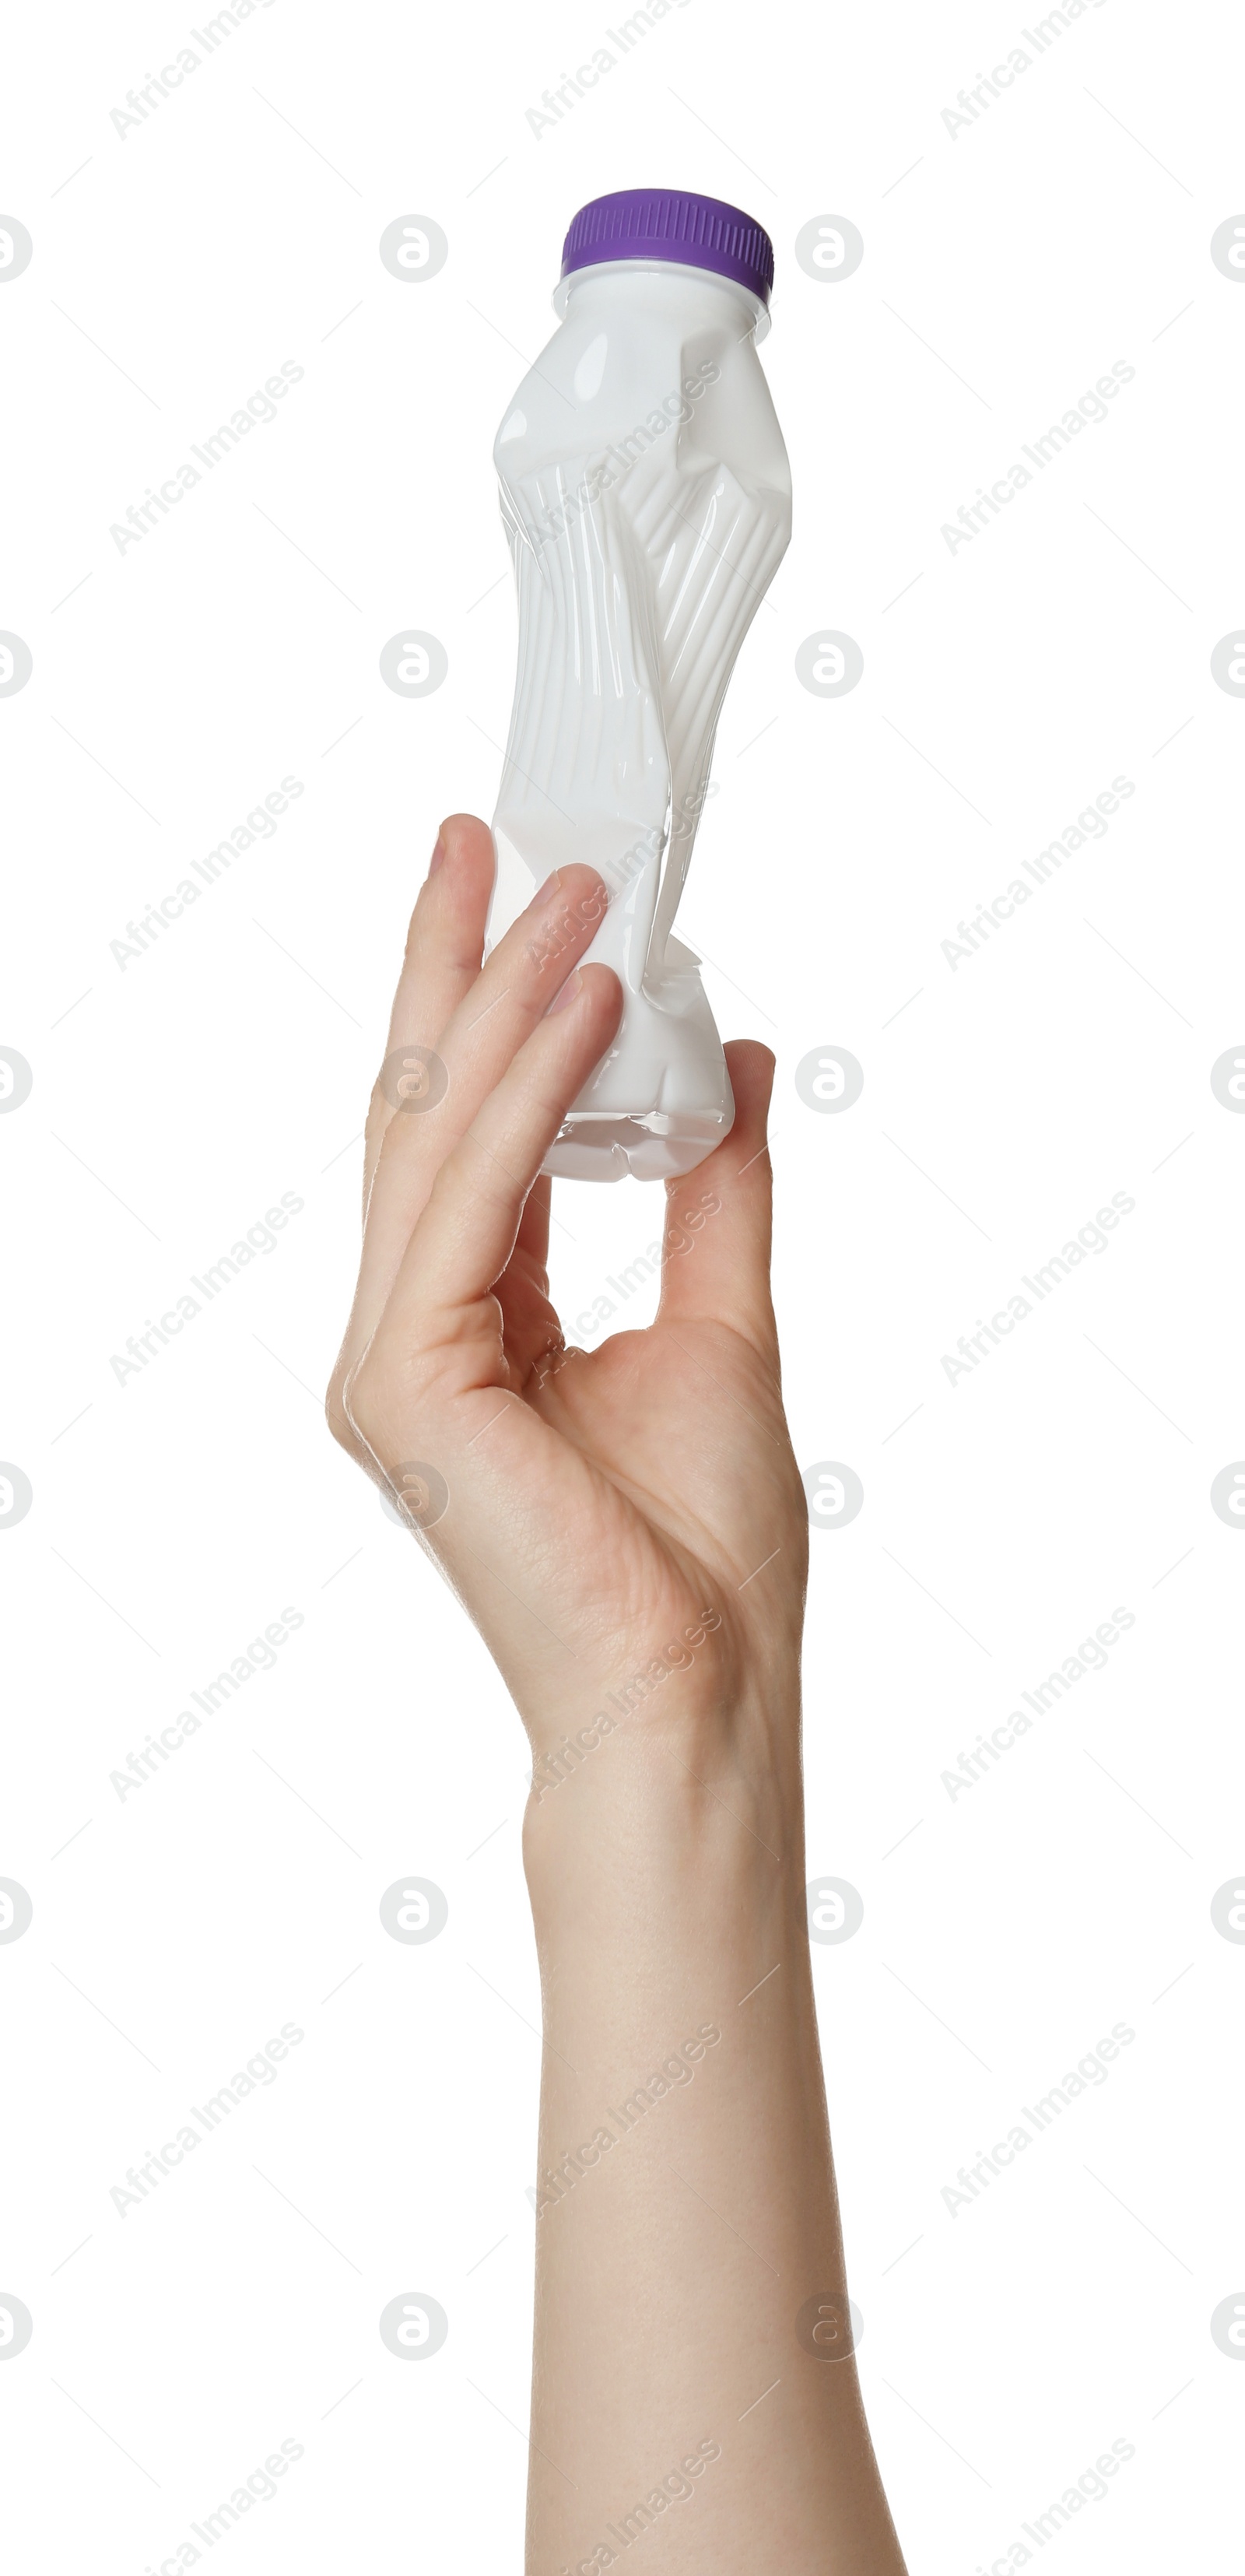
[549, 887]
[569, 993]
[438, 855]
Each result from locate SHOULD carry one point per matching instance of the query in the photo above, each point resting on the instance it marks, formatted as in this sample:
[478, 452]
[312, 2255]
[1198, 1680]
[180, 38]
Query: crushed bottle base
[652, 1146]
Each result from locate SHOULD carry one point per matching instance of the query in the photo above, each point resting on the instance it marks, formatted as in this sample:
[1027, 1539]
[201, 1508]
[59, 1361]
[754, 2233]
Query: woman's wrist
[711, 1800]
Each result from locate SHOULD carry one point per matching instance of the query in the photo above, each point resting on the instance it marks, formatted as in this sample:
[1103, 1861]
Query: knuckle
[386, 1393]
[365, 1399]
[335, 1410]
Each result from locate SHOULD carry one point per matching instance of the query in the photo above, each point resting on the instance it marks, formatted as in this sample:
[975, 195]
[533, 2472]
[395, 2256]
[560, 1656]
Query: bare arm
[627, 1529]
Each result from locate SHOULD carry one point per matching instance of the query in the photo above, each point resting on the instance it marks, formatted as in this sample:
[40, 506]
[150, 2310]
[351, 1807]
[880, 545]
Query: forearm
[637, 1514]
[678, 2254]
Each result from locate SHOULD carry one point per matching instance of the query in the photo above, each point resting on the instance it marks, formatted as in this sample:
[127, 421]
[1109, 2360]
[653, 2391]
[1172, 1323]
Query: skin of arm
[628, 1531]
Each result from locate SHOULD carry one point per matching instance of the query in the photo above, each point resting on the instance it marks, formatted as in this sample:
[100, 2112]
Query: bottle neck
[668, 284]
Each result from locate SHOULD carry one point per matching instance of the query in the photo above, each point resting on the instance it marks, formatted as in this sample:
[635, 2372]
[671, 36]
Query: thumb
[716, 1251]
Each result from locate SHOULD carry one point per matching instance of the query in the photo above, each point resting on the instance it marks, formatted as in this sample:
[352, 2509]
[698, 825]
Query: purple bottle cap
[666, 223]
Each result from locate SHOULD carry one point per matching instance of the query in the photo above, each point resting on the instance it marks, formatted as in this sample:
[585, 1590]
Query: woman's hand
[628, 1530]
[595, 1511]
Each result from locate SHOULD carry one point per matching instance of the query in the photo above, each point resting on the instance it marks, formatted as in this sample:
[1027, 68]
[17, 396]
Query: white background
[179, 1096]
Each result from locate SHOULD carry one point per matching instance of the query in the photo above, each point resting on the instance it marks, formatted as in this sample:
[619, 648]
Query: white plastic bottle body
[647, 500]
